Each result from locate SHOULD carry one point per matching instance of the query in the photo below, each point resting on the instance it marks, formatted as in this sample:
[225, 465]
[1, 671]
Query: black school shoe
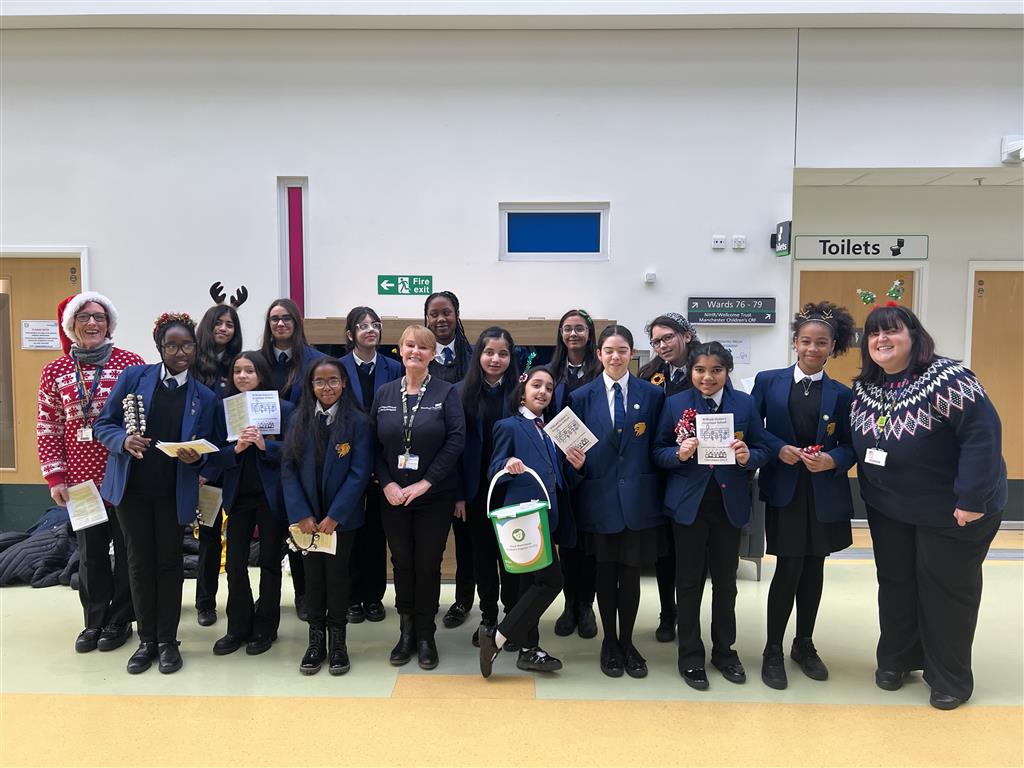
[695, 677]
[455, 615]
[170, 658]
[88, 639]
[489, 649]
[804, 654]
[426, 653]
[206, 617]
[636, 665]
[356, 614]
[890, 679]
[114, 636]
[733, 671]
[537, 660]
[666, 631]
[944, 701]
[565, 624]
[142, 659]
[374, 611]
[227, 644]
[773, 668]
[484, 624]
[587, 626]
[612, 662]
[259, 644]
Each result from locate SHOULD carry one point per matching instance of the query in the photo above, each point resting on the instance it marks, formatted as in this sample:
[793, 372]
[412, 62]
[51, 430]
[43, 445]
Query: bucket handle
[494, 482]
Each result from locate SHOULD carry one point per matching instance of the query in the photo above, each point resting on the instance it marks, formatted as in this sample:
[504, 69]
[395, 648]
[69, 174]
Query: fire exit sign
[405, 285]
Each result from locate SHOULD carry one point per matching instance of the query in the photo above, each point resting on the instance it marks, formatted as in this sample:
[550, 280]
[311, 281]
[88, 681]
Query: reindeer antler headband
[218, 295]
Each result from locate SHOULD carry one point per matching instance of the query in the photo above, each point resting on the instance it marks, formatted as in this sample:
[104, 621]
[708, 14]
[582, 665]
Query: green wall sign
[405, 285]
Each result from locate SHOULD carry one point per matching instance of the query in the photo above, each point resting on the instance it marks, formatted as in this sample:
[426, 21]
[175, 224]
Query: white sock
[499, 639]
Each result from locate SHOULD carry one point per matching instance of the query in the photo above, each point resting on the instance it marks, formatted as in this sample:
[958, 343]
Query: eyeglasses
[96, 317]
[368, 326]
[579, 330]
[333, 383]
[281, 320]
[668, 338]
[172, 349]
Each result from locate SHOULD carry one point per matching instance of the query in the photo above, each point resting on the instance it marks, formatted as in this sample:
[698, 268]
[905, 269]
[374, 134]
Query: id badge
[85, 435]
[875, 456]
[409, 461]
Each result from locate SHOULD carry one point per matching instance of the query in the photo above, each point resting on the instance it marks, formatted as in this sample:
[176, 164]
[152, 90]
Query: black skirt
[796, 531]
[627, 547]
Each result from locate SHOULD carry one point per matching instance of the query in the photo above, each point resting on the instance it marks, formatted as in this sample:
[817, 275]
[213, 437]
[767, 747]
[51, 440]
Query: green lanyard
[407, 417]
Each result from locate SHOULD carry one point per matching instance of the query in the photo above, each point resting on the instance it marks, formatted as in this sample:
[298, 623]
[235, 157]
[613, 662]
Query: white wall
[962, 223]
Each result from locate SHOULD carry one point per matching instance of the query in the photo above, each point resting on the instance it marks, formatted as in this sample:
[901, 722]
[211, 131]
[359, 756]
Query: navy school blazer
[309, 354]
[384, 370]
[472, 454]
[348, 463]
[196, 424]
[225, 466]
[517, 436]
[688, 481]
[618, 486]
[777, 480]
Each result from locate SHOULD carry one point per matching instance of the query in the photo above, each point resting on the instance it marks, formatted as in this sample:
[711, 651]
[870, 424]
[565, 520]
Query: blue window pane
[554, 232]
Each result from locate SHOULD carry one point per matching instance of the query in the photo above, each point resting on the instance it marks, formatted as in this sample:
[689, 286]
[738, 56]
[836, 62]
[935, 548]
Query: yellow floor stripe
[464, 687]
[40, 730]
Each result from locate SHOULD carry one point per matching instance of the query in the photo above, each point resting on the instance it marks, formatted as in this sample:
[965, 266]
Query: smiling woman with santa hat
[72, 392]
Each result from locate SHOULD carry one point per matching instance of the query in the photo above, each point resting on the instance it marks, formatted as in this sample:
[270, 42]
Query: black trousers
[369, 553]
[152, 537]
[208, 567]
[247, 619]
[492, 580]
[295, 565]
[711, 535]
[665, 573]
[104, 590]
[929, 592]
[538, 591]
[465, 585]
[417, 536]
[579, 574]
[329, 584]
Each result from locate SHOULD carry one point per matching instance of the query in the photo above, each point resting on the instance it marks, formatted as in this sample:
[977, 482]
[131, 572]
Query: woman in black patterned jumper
[928, 446]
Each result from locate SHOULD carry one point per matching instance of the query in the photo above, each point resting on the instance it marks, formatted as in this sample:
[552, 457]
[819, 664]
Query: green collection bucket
[524, 535]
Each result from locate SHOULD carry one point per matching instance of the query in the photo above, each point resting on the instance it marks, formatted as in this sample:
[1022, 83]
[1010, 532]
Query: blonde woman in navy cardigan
[708, 506]
[806, 487]
[618, 492]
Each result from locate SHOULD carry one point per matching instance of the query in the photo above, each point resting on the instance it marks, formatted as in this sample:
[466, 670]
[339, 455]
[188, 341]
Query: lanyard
[407, 417]
[80, 382]
[888, 400]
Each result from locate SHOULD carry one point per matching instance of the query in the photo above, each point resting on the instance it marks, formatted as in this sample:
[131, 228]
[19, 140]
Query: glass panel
[7, 458]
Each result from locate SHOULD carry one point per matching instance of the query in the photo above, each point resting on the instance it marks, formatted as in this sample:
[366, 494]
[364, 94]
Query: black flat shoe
[88, 639]
[733, 672]
[142, 659]
[890, 679]
[565, 624]
[537, 660]
[587, 624]
[696, 678]
[805, 654]
[114, 636]
[773, 668]
[455, 616]
[374, 611]
[170, 658]
[636, 665]
[611, 659]
[944, 701]
[484, 624]
[227, 644]
[259, 644]
[489, 650]
[356, 614]
[426, 653]
[666, 631]
[206, 617]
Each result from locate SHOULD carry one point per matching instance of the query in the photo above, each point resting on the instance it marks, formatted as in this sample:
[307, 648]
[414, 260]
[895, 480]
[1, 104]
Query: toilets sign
[405, 285]
[861, 247]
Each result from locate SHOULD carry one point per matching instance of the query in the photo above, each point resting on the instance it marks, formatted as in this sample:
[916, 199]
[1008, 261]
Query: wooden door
[997, 355]
[32, 288]
[841, 288]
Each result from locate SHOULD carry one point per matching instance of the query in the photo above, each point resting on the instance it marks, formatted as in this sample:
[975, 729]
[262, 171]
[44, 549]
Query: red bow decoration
[686, 426]
[813, 450]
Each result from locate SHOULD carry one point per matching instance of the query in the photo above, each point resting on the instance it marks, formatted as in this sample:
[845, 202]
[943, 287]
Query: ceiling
[909, 177]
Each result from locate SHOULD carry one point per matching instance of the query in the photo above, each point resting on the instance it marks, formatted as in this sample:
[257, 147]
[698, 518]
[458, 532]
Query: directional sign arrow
[768, 317]
[387, 285]
[693, 305]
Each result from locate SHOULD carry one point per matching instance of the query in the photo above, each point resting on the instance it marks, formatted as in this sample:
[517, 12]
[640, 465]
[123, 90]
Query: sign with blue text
[405, 285]
[725, 310]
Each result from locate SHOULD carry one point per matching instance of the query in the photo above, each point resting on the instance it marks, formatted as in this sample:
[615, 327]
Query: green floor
[39, 626]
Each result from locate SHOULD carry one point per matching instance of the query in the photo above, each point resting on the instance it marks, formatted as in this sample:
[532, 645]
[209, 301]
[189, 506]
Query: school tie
[552, 456]
[282, 358]
[712, 405]
[447, 356]
[575, 371]
[620, 409]
[677, 377]
[171, 383]
[366, 368]
[323, 419]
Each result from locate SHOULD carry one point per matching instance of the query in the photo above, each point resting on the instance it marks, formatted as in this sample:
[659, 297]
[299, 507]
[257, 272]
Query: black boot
[406, 644]
[426, 653]
[338, 658]
[316, 652]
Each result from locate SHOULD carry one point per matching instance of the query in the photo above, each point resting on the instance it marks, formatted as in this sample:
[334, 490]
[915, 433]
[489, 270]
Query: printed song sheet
[714, 434]
[260, 409]
[85, 506]
[567, 431]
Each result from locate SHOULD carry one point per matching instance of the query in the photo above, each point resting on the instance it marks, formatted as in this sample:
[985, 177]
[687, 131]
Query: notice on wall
[39, 334]
[861, 247]
[731, 310]
[739, 346]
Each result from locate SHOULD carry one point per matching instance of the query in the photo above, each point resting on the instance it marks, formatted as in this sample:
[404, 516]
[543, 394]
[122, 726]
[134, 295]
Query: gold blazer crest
[830, 429]
[739, 435]
[343, 449]
[639, 428]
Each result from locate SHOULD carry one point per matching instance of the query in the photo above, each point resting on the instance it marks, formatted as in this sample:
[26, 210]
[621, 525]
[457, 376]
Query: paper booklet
[210, 498]
[311, 543]
[199, 446]
[714, 434]
[261, 409]
[85, 506]
[567, 431]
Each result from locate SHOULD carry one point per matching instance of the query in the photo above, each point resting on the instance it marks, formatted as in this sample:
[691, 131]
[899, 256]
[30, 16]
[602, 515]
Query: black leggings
[799, 579]
[618, 592]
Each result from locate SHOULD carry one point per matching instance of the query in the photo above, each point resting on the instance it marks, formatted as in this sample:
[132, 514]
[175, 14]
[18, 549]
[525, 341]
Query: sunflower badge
[739, 435]
[639, 428]
[343, 449]
[658, 379]
[830, 429]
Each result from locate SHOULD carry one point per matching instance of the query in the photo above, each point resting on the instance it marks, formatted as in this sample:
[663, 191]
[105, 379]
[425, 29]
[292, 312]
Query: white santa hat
[75, 305]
